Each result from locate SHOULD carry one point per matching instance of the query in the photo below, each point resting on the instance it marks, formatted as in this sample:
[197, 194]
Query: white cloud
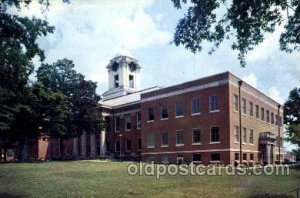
[275, 94]
[251, 79]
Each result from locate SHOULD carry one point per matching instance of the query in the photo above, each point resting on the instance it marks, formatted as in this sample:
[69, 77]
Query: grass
[100, 179]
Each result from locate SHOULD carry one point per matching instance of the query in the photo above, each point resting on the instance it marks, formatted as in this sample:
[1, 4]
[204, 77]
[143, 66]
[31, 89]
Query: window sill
[215, 161]
[251, 144]
[117, 131]
[164, 146]
[195, 114]
[196, 143]
[214, 143]
[179, 116]
[214, 111]
[150, 147]
[244, 143]
[128, 130]
[235, 111]
[196, 162]
[251, 116]
[179, 145]
[150, 121]
[164, 119]
[236, 142]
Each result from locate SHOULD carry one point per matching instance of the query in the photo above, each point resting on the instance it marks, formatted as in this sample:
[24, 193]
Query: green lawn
[110, 179]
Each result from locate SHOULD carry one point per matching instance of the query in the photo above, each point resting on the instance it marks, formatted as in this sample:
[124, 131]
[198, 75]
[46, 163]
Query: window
[150, 140]
[131, 81]
[214, 134]
[257, 111]
[196, 136]
[179, 109]
[272, 118]
[262, 113]
[117, 145]
[164, 112]
[128, 145]
[195, 106]
[116, 81]
[251, 109]
[139, 144]
[268, 116]
[251, 156]
[196, 157]
[165, 159]
[215, 157]
[117, 124]
[236, 156]
[244, 107]
[235, 102]
[213, 103]
[127, 122]
[244, 156]
[251, 136]
[150, 114]
[164, 139]
[179, 138]
[138, 120]
[280, 121]
[244, 135]
[236, 134]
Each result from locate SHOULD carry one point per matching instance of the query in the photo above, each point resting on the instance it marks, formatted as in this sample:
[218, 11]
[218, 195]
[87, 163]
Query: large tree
[292, 116]
[243, 21]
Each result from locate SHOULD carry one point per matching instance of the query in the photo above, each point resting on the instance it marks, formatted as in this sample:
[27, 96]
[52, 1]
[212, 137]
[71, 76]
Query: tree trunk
[5, 154]
[62, 152]
[22, 149]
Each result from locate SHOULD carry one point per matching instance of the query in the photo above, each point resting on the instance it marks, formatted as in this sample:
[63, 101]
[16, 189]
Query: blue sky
[92, 32]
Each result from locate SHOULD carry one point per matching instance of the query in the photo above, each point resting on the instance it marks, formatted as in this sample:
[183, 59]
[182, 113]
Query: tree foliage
[243, 21]
[292, 116]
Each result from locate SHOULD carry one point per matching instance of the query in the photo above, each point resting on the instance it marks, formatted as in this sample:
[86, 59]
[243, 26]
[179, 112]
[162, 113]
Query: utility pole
[120, 135]
[278, 126]
[240, 121]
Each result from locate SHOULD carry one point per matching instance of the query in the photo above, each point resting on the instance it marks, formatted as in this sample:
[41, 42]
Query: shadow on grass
[9, 195]
[270, 196]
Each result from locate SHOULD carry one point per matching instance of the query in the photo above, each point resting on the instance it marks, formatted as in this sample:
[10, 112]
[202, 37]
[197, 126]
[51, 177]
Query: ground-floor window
[215, 157]
[251, 156]
[165, 159]
[128, 145]
[236, 156]
[117, 145]
[139, 144]
[244, 156]
[196, 157]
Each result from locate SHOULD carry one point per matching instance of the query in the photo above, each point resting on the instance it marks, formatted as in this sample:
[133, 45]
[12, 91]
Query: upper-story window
[262, 113]
[244, 106]
[251, 109]
[179, 138]
[116, 80]
[268, 116]
[127, 122]
[244, 135]
[195, 106]
[251, 136]
[117, 123]
[164, 112]
[257, 111]
[150, 140]
[138, 120]
[214, 134]
[272, 118]
[196, 136]
[131, 81]
[179, 108]
[213, 103]
[150, 114]
[164, 139]
[235, 102]
[236, 134]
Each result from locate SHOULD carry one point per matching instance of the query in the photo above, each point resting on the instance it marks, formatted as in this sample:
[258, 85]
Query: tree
[246, 21]
[82, 100]
[292, 116]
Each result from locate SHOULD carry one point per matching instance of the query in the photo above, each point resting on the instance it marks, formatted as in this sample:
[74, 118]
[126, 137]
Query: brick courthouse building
[196, 121]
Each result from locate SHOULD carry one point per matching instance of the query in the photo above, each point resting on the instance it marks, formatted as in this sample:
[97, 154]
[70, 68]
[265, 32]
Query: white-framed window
[244, 106]
[195, 106]
[179, 137]
[164, 139]
[251, 157]
[215, 157]
[117, 124]
[214, 134]
[138, 120]
[139, 144]
[128, 145]
[116, 80]
[164, 112]
[251, 109]
[251, 136]
[244, 156]
[127, 122]
[236, 134]
[179, 109]
[214, 103]
[197, 157]
[196, 136]
[244, 135]
[235, 102]
[131, 81]
[150, 114]
[150, 140]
